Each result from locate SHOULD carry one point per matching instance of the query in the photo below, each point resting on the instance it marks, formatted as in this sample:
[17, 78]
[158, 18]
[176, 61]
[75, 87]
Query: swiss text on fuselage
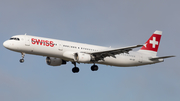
[42, 42]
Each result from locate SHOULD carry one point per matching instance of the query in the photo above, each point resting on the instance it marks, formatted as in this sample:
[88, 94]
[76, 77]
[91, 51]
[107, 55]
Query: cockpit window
[15, 39]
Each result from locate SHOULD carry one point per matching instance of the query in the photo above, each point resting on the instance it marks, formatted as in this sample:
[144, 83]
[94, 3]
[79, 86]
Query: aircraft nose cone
[5, 44]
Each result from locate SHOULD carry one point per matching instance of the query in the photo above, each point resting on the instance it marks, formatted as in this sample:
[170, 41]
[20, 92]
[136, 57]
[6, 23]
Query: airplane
[59, 52]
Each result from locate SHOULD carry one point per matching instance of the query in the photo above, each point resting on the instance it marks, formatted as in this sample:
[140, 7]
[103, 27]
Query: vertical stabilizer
[152, 45]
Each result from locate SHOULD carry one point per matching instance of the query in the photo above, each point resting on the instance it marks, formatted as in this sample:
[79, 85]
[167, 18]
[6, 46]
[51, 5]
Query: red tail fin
[152, 45]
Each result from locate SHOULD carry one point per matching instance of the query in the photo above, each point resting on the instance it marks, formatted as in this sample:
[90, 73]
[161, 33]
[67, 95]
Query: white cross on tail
[154, 42]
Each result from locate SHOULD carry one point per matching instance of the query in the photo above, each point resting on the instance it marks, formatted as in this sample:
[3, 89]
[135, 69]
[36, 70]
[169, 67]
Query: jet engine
[82, 57]
[54, 61]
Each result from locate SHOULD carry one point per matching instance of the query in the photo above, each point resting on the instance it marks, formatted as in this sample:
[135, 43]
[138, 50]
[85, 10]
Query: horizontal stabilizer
[156, 58]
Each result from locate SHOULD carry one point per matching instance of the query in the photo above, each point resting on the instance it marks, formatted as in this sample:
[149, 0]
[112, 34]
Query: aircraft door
[60, 46]
[27, 41]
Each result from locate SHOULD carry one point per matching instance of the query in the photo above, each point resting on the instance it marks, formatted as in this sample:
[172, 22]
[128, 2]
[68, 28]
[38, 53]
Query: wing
[156, 58]
[100, 55]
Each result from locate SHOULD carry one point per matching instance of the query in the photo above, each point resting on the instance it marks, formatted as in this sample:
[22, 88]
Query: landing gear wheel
[21, 60]
[94, 67]
[75, 70]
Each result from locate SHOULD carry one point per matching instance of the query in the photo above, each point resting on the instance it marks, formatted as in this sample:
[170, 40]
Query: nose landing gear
[22, 60]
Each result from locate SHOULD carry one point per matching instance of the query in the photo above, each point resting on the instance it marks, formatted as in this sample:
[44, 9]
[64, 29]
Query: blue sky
[113, 23]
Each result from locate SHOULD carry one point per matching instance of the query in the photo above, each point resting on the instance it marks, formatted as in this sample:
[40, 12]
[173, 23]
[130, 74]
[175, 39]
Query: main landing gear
[76, 69]
[94, 67]
[22, 60]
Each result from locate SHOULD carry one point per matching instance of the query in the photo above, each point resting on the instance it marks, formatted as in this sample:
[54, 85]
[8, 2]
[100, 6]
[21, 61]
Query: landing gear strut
[75, 69]
[22, 60]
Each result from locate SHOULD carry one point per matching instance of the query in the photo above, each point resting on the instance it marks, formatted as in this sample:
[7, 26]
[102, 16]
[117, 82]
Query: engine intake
[54, 61]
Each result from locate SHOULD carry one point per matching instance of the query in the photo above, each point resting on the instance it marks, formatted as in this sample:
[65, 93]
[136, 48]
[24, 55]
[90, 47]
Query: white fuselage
[65, 50]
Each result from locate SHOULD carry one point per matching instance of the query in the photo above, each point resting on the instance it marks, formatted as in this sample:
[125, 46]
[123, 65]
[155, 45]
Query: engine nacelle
[82, 57]
[54, 61]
